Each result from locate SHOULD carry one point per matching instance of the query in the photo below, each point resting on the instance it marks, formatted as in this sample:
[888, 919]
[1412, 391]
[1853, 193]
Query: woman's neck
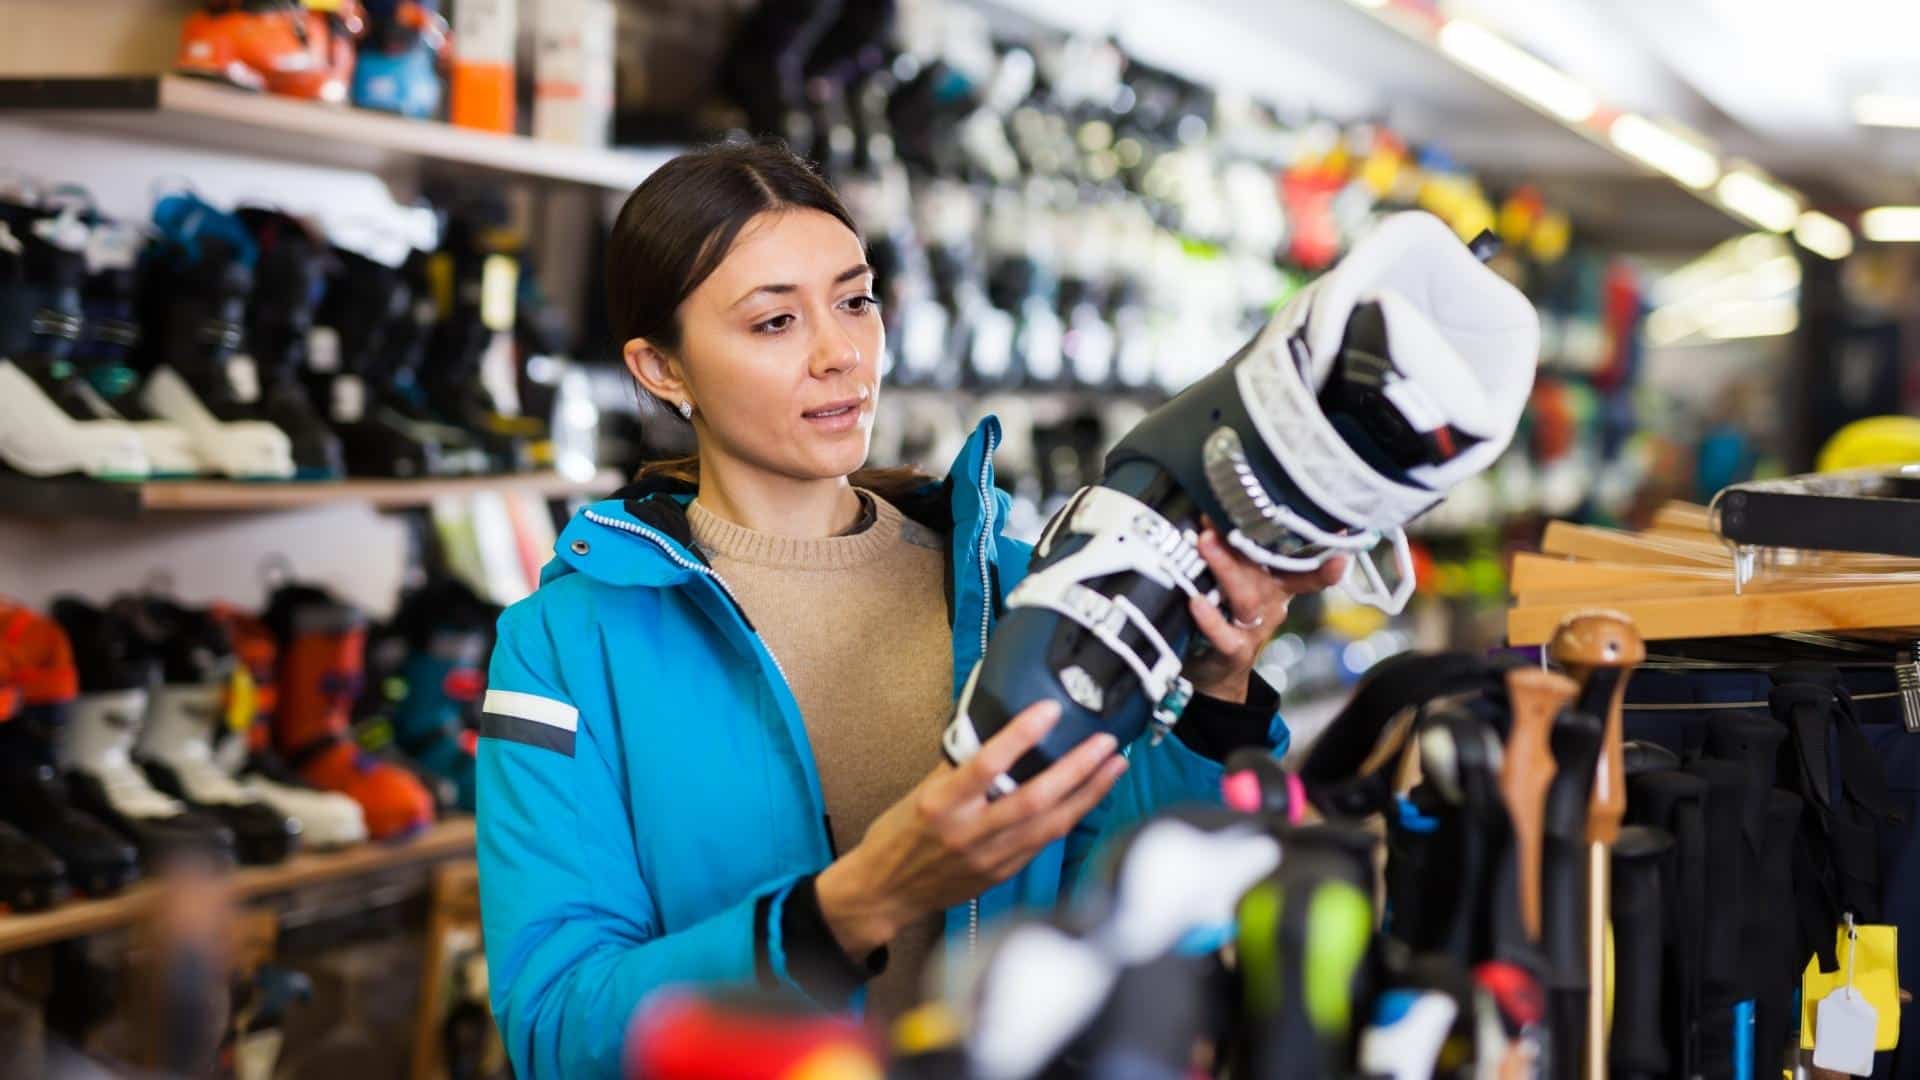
[781, 506]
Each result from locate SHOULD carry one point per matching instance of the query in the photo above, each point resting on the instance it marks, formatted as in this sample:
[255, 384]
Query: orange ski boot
[303, 50]
[322, 662]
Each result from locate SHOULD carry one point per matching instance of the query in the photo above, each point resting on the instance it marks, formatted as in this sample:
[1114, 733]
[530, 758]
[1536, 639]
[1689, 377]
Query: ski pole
[1600, 649]
[1526, 770]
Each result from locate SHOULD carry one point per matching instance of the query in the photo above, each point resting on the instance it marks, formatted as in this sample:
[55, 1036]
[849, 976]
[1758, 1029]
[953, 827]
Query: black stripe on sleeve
[527, 732]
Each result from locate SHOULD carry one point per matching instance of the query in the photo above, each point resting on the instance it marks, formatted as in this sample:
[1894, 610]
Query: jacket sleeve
[573, 937]
[1187, 766]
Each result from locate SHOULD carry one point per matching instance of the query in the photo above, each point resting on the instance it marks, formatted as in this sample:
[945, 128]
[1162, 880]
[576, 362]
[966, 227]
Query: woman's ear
[655, 371]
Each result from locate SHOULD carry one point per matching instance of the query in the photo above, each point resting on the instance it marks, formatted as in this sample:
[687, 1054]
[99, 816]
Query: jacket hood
[640, 536]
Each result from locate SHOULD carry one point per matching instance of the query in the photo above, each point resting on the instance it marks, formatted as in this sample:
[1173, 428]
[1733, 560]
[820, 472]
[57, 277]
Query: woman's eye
[773, 325]
[860, 305]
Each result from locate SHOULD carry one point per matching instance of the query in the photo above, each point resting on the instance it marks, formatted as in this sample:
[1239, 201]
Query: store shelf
[203, 113]
[447, 840]
[29, 497]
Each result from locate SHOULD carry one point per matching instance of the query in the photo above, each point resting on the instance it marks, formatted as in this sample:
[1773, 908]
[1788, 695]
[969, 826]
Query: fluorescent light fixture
[1518, 70]
[1759, 200]
[1887, 110]
[1369, 3]
[1770, 318]
[1660, 149]
[1823, 235]
[1891, 224]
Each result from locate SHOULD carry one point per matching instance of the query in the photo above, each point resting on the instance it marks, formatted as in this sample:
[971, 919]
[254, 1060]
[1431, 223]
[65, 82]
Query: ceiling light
[1891, 224]
[1518, 70]
[1887, 110]
[1655, 146]
[1823, 235]
[1770, 318]
[1759, 200]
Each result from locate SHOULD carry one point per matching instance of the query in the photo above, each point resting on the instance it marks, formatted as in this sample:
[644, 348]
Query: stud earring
[686, 410]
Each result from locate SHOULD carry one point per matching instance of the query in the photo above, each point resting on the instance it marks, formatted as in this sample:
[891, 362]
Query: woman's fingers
[1041, 793]
[1227, 639]
[973, 780]
[1013, 847]
[1247, 592]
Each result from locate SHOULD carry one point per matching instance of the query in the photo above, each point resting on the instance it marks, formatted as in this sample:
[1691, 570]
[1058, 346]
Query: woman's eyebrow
[781, 288]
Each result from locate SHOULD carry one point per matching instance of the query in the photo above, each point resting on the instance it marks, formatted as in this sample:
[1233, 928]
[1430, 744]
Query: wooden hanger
[1677, 579]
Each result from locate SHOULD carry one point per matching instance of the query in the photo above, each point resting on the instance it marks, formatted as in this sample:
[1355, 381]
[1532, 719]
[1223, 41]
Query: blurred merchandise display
[255, 345]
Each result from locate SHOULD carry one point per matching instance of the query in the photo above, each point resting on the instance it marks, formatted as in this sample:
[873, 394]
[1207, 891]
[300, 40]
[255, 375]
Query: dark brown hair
[677, 228]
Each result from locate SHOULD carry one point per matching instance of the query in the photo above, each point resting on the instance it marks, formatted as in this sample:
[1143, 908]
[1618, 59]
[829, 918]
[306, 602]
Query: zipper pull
[1906, 670]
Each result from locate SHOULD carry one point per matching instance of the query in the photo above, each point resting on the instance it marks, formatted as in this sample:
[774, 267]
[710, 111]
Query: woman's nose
[834, 350]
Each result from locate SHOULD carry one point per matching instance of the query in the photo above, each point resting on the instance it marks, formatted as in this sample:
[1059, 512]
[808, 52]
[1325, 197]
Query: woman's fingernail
[1108, 744]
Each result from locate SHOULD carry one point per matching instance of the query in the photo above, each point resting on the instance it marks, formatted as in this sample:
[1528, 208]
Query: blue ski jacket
[649, 810]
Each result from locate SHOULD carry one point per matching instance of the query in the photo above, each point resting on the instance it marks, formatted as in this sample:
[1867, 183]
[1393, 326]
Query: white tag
[1843, 1033]
[349, 399]
[244, 378]
[323, 350]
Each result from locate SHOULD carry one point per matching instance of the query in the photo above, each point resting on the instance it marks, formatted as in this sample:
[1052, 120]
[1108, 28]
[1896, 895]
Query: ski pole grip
[1526, 771]
[1600, 649]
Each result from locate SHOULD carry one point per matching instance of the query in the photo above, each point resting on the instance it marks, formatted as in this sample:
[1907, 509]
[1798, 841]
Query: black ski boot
[288, 282]
[39, 664]
[196, 278]
[184, 714]
[363, 299]
[115, 673]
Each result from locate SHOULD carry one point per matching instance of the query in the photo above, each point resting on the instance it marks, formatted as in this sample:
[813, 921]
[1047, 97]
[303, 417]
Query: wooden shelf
[446, 840]
[26, 496]
[199, 112]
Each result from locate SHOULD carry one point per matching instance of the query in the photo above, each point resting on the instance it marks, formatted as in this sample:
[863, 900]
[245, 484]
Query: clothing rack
[1680, 578]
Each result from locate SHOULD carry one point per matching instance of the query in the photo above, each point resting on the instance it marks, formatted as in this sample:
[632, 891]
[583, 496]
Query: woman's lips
[836, 417]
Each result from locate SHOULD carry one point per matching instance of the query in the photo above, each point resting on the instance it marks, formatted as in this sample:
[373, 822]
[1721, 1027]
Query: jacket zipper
[698, 568]
[986, 616]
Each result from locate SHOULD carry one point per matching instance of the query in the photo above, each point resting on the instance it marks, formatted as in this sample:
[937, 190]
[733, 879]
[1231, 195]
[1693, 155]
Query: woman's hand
[1253, 604]
[944, 842]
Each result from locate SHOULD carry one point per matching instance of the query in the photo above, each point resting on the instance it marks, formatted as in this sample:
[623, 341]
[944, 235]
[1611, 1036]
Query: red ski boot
[322, 663]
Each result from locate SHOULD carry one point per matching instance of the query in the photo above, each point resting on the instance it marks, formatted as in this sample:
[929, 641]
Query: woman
[711, 744]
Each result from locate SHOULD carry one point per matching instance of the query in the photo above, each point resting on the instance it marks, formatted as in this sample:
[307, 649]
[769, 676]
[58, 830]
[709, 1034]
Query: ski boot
[47, 424]
[322, 657]
[36, 663]
[443, 633]
[105, 354]
[279, 46]
[185, 713]
[476, 284]
[364, 301]
[31, 877]
[328, 820]
[400, 59]
[96, 746]
[195, 280]
[288, 282]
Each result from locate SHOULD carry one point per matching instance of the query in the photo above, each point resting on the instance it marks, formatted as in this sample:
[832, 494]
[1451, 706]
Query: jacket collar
[640, 535]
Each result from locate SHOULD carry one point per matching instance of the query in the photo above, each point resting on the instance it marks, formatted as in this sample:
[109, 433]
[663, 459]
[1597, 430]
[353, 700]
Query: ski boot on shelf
[322, 657]
[443, 633]
[327, 819]
[400, 59]
[302, 50]
[195, 280]
[352, 374]
[105, 353]
[33, 877]
[288, 282]
[472, 358]
[185, 714]
[96, 748]
[47, 423]
[36, 667]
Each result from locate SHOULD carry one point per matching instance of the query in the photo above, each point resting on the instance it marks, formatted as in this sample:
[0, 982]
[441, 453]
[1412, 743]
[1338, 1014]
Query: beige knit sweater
[859, 623]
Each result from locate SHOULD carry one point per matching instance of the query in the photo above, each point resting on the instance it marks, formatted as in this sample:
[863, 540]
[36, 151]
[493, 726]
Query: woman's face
[780, 349]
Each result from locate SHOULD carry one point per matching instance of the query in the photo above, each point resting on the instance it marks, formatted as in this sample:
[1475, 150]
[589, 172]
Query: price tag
[244, 378]
[349, 399]
[1843, 1030]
